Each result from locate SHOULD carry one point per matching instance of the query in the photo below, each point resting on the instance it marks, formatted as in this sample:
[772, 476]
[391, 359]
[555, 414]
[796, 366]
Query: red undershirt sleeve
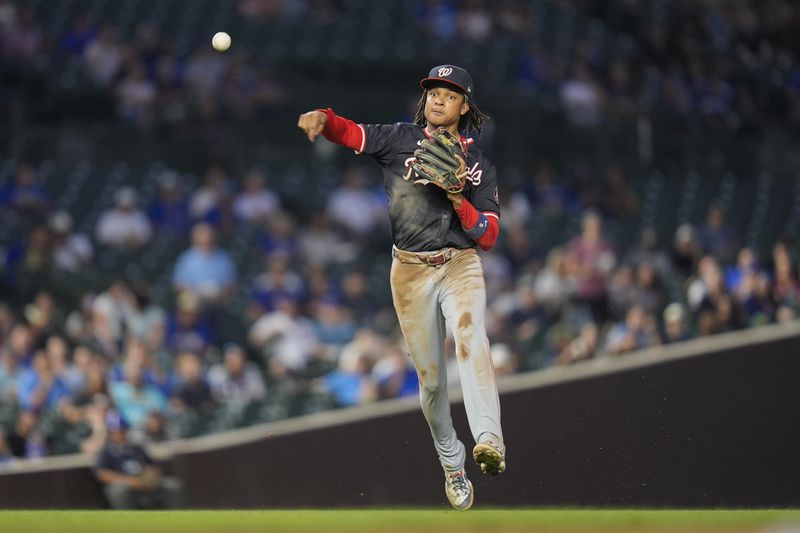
[469, 217]
[343, 131]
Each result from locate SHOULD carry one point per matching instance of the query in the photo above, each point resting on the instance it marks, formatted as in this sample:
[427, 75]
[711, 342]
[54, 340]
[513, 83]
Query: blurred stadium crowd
[198, 304]
[734, 63]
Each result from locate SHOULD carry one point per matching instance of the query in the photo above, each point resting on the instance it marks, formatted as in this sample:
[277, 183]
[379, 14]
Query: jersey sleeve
[382, 141]
[485, 196]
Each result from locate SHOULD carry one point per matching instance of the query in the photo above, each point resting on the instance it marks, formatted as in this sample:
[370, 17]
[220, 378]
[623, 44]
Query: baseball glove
[441, 161]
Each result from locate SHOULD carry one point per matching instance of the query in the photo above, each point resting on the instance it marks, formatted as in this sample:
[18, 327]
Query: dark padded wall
[707, 431]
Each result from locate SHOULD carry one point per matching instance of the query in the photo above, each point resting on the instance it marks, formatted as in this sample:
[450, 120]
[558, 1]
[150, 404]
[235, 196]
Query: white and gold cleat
[490, 457]
[459, 490]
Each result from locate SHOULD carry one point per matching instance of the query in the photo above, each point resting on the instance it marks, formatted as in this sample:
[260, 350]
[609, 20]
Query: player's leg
[120, 496]
[414, 292]
[463, 297]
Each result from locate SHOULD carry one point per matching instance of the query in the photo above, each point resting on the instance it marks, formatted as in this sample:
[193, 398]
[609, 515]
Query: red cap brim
[441, 80]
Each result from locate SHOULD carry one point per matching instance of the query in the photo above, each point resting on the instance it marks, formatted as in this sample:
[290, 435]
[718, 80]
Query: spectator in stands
[26, 195]
[285, 338]
[20, 345]
[103, 56]
[618, 199]
[583, 347]
[188, 329]
[39, 387]
[130, 477]
[333, 323]
[124, 226]
[785, 284]
[6, 457]
[205, 270]
[623, 96]
[439, 18]
[72, 251]
[204, 71]
[109, 310]
[10, 369]
[746, 264]
[25, 439]
[519, 251]
[675, 327]
[623, 292]
[548, 196]
[351, 383]
[278, 282]
[236, 380]
[256, 203]
[353, 206]
[717, 311]
[686, 250]
[504, 360]
[716, 237]
[475, 22]
[554, 284]
[43, 316]
[582, 98]
[533, 68]
[134, 398]
[637, 332]
[357, 297]
[279, 237]
[210, 201]
[393, 372]
[136, 95]
[71, 375]
[144, 318]
[80, 35]
[649, 289]
[594, 260]
[320, 244]
[22, 39]
[647, 250]
[169, 210]
[192, 391]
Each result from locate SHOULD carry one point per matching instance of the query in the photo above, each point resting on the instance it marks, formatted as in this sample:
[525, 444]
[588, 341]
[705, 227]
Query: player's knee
[429, 387]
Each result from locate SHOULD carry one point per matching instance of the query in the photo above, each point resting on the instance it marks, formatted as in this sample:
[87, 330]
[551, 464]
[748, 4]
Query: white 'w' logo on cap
[445, 71]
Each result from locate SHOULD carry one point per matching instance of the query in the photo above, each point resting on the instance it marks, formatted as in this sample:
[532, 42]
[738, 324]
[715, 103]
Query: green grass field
[390, 521]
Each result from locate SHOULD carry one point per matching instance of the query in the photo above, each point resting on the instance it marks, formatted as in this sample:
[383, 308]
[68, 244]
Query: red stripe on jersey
[344, 131]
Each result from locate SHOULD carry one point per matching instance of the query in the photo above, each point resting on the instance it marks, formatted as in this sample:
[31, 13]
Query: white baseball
[221, 41]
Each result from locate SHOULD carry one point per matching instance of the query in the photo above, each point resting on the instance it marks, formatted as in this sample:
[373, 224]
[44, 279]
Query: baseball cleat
[459, 490]
[490, 457]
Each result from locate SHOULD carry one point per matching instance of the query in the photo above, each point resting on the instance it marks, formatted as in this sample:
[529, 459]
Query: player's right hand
[312, 123]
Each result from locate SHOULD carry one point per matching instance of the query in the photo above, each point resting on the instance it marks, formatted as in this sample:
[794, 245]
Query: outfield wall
[712, 422]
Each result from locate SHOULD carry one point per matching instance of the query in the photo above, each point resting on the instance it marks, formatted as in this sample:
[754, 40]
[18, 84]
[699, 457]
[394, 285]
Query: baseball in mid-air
[221, 41]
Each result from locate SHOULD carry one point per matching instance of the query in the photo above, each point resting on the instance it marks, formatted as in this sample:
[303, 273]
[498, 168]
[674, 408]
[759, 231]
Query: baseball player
[442, 203]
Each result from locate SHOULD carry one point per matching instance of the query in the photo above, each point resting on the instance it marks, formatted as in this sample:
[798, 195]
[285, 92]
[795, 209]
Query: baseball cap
[450, 74]
[115, 422]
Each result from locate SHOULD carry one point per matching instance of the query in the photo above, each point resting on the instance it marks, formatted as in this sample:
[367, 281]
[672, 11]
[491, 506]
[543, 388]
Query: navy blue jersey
[128, 458]
[422, 217]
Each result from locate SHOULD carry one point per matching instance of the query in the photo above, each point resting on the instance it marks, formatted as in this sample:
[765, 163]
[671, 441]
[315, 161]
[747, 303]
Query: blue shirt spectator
[38, 388]
[169, 211]
[134, 398]
[204, 269]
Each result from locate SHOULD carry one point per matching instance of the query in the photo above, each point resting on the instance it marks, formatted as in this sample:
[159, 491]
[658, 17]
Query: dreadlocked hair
[472, 120]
